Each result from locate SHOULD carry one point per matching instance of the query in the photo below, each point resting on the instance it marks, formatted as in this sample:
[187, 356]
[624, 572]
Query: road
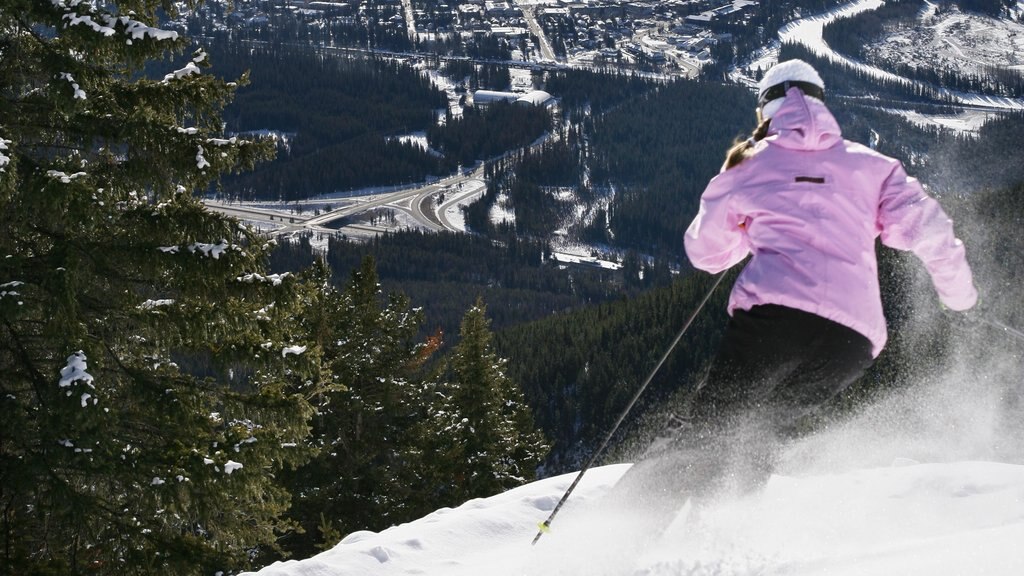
[410, 20]
[419, 202]
[530, 15]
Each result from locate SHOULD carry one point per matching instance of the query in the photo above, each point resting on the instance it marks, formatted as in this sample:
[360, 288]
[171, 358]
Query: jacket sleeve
[910, 219]
[716, 239]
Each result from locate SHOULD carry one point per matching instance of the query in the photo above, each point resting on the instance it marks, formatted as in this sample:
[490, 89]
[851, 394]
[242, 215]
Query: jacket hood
[803, 123]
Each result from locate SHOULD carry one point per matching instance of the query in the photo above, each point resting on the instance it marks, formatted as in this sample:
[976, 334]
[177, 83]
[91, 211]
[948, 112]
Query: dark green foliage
[599, 91]
[391, 442]
[890, 134]
[850, 82]
[652, 152]
[989, 7]
[532, 182]
[992, 220]
[491, 77]
[852, 34]
[366, 471]
[336, 113]
[364, 26]
[593, 360]
[750, 34]
[114, 458]
[488, 47]
[476, 76]
[478, 135]
[481, 433]
[994, 159]
[447, 272]
[659, 152]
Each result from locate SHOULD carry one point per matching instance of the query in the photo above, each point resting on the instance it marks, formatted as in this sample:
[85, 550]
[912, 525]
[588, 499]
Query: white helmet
[772, 88]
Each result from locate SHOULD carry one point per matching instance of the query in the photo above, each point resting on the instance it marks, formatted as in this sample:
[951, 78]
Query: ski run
[916, 484]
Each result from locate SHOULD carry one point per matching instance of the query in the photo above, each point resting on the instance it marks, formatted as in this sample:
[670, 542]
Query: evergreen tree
[148, 390]
[483, 438]
[363, 474]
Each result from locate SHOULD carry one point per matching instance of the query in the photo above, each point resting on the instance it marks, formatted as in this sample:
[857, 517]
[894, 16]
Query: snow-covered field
[927, 482]
[956, 40]
[939, 40]
[963, 518]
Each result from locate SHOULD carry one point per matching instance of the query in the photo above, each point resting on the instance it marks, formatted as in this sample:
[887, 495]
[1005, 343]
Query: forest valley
[182, 395]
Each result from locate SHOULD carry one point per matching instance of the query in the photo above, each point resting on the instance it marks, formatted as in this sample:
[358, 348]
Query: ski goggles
[779, 91]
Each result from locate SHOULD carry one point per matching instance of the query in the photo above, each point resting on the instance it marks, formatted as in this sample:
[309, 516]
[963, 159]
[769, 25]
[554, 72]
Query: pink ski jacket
[808, 205]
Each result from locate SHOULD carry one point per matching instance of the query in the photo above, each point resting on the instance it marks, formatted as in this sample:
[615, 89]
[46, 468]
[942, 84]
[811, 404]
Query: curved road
[419, 202]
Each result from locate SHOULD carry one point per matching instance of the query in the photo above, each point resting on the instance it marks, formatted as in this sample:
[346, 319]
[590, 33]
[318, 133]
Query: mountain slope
[928, 519]
[912, 485]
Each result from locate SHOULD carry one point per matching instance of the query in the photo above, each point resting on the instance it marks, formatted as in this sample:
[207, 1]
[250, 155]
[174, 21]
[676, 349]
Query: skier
[806, 311]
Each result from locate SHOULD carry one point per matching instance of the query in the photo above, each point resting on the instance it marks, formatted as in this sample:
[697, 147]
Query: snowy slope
[930, 519]
[927, 481]
[953, 40]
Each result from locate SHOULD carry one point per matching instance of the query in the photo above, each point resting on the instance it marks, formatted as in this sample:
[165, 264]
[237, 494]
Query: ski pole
[546, 525]
[1000, 326]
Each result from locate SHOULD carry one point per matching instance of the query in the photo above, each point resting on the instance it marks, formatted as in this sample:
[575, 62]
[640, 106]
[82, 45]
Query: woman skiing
[807, 205]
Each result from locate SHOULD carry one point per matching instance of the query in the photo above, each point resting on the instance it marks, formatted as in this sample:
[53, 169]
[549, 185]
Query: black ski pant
[781, 362]
[775, 367]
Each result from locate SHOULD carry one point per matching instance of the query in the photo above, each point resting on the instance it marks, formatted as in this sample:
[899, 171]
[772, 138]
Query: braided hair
[743, 149]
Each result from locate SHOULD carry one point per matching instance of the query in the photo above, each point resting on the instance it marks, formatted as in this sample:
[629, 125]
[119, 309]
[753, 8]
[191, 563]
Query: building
[484, 98]
[723, 16]
[536, 98]
[511, 32]
[500, 9]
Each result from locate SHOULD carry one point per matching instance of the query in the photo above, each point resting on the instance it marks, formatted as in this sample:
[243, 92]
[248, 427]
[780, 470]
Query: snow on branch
[272, 279]
[75, 371]
[263, 314]
[201, 162]
[229, 466]
[105, 23]
[223, 141]
[64, 177]
[79, 93]
[211, 250]
[297, 350]
[138, 31]
[4, 158]
[8, 289]
[188, 70]
[192, 131]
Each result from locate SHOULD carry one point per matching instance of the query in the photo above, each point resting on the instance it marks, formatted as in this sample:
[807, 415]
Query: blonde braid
[740, 150]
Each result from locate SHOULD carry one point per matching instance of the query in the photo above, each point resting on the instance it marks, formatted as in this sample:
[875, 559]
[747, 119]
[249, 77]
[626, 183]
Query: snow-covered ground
[950, 39]
[442, 82]
[967, 122]
[943, 519]
[927, 482]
